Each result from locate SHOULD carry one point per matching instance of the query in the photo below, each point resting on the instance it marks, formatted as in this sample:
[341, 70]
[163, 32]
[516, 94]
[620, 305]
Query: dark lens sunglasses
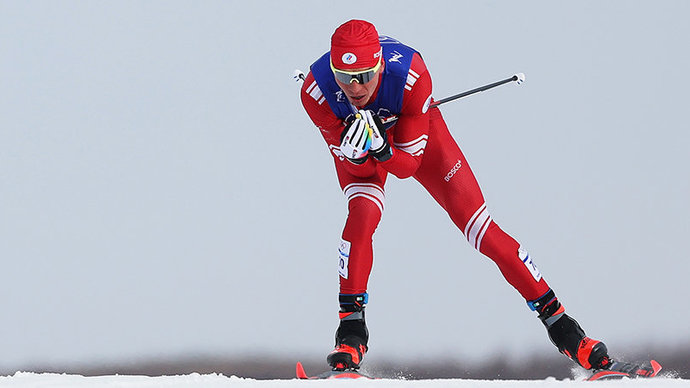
[361, 77]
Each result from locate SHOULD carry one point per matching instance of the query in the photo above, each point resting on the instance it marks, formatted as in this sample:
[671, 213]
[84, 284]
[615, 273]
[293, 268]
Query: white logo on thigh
[453, 171]
[524, 256]
[344, 258]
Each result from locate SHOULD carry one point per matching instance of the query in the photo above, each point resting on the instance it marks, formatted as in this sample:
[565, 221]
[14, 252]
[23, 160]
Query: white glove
[380, 148]
[356, 140]
[375, 134]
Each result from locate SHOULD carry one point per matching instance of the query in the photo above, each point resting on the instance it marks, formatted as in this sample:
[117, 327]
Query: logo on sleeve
[427, 103]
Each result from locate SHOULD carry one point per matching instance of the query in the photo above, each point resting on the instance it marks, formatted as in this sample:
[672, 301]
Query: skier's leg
[356, 252]
[365, 206]
[446, 175]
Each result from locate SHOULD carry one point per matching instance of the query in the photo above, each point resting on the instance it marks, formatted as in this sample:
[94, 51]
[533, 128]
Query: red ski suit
[423, 149]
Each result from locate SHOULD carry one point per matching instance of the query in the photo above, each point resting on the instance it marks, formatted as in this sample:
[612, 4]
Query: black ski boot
[568, 336]
[352, 335]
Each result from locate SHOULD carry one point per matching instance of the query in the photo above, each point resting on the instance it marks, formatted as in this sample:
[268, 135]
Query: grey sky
[163, 192]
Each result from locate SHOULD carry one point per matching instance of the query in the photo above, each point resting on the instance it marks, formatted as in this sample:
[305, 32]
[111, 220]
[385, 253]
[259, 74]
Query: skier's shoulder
[396, 52]
[316, 106]
[418, 66]
[404, 61]
[312, 96]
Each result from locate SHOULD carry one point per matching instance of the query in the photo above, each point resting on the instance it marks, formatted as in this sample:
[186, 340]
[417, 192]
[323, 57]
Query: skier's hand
[380, 148]
[356, 140]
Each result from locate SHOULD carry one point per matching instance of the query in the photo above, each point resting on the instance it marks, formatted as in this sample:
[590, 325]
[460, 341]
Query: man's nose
[355, 87]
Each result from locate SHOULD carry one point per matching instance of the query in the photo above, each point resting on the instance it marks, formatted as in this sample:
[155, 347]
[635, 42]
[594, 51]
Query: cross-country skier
[363, 82]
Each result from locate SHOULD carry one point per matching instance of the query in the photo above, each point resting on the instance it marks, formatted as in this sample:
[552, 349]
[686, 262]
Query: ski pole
[519, 78]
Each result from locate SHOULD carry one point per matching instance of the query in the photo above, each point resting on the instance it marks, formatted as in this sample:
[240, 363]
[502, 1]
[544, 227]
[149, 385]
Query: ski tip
[299, 371]
[656, 367]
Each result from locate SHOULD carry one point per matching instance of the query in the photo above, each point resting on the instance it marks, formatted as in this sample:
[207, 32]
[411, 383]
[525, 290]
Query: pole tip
[519, 78]
[298, 75]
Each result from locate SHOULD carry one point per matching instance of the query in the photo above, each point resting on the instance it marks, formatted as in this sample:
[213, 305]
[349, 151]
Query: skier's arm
[331, 128]
[409, 136]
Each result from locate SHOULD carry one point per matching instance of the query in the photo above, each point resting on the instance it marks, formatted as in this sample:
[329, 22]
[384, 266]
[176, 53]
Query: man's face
[359, 94]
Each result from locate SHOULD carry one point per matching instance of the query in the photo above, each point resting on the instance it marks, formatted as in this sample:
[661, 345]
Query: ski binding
[621, 370]
[332, 374]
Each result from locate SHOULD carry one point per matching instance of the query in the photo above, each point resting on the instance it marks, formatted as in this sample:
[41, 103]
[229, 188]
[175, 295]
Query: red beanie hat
[355, 45]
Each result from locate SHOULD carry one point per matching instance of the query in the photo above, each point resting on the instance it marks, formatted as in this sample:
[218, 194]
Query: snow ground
[34, 380]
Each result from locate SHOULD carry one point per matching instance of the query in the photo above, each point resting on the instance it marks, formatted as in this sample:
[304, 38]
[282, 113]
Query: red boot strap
[584, 351]
[354, 353]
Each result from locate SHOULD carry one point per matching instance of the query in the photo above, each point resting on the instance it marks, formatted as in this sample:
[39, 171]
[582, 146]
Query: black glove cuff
[385, 152]
[358, 161]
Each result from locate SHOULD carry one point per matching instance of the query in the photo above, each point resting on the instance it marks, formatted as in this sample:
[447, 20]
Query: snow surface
[26, 380]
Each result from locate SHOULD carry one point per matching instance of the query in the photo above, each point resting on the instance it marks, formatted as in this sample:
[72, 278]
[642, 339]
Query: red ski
[333, 374]
[621, 370]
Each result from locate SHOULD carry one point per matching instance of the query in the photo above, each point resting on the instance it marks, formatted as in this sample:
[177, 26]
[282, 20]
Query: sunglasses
[361, 76]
